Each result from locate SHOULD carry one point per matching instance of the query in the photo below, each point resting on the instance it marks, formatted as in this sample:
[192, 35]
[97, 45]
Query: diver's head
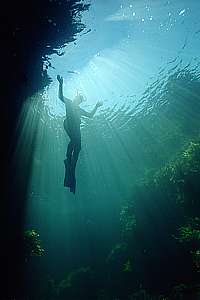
[78, 99]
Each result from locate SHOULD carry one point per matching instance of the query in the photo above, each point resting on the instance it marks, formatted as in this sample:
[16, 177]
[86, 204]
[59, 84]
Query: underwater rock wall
[31, 30]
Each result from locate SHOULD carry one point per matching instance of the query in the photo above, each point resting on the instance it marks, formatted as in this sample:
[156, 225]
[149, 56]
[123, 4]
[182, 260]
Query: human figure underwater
[72, 127]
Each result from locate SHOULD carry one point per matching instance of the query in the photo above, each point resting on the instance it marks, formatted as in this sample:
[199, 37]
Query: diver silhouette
[72, 127]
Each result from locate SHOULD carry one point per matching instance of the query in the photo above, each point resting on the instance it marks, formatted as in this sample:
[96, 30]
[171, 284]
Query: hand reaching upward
[60, 79]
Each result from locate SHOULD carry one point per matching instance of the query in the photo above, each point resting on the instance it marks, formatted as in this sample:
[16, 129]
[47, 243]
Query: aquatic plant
[185, 291]
[33, 245]
[179, 290]
[196, 259]
[128, 221]
[174, 188]
[65, 283]
[127, 266]
[188, 161]
[77, 283]
[190, 231]
[142, 294]
[187, 233]
[180, 179]
[117, 252]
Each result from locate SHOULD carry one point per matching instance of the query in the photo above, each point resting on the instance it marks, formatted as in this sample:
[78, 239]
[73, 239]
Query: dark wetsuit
[72, 128]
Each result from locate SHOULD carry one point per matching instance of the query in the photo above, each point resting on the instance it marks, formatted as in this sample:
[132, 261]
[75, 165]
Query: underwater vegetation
[179, 179]
[190, 232]
[127, 266]
[127, 221]
[32, 244]
[196, 259]
[149, 272]
[77, 284]
[189, 236]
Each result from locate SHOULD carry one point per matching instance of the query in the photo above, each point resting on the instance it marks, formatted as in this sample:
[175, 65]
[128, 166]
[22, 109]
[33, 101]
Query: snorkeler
[72, 127]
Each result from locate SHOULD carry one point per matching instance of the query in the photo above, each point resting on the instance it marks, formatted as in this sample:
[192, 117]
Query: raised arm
[60, 89]
[92, 113]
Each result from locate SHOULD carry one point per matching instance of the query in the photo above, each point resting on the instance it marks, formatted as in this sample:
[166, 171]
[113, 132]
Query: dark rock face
[30, 31]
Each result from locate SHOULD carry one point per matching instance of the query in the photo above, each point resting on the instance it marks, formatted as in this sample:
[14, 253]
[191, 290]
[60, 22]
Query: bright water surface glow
[128, 44]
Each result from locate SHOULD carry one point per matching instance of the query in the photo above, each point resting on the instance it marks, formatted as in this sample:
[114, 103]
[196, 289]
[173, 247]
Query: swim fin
[72, 183]
[73, 187]
[69, 180]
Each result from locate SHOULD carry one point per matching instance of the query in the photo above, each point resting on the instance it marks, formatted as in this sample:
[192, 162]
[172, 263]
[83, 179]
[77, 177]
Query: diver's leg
[75, 155]
[76, 150]
[70, 149]
[68, 159]
[67, 162]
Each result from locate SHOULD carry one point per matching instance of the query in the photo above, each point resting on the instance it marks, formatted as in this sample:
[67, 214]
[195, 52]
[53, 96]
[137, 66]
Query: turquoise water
[141, 59]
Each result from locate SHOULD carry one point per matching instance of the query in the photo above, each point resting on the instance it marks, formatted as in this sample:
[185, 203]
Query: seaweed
[174, 186]
[127, 221]
[33, 245]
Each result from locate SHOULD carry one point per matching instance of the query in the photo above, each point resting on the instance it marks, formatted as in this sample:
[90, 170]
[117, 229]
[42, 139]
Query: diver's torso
[73, 115]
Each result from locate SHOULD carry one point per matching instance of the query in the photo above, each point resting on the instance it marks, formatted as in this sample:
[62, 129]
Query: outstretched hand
[99, 104]
[60, 79]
